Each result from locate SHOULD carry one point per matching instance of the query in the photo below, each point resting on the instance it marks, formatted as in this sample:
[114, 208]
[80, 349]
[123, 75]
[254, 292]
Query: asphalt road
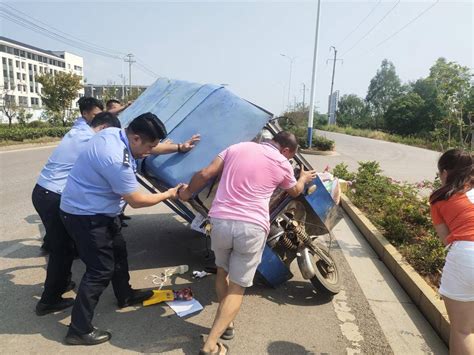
[401, 162]
[370, 315]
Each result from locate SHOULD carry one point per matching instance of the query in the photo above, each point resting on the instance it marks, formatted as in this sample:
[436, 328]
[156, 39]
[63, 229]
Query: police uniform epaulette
[126, 157]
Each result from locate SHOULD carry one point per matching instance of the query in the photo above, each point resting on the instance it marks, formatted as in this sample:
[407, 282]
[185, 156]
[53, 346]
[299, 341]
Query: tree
[384, 87]
[9, 106]
[58, 93]
[23, 116]
[352, 111]
[453, 86]
[432, 111]
[403, 115]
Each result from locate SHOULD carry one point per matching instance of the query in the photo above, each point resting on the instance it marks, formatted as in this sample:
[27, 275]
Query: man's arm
[201, 178]
[168, 146]
[119, 109]
[305, 177]
[138, 199]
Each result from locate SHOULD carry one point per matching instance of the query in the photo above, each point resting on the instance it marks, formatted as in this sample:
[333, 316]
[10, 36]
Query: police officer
[102, 178]
[88, 107]
[46, 198]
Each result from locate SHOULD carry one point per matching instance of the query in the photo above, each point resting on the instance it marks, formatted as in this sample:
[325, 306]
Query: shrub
[19, 134]
[323, 143]
[400, 213]
[38, 124]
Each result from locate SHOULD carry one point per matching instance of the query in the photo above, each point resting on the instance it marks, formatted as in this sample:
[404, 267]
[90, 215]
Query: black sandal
[228, 334]
[220, 347]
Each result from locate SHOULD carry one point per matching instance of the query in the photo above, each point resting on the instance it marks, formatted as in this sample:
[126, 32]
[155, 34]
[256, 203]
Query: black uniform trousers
[102, 248]
[61, 245]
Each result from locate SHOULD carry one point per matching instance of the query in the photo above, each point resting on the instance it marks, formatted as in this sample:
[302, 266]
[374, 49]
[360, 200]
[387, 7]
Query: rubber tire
[321, 283]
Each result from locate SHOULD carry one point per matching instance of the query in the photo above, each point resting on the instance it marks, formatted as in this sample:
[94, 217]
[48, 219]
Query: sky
[240, 43]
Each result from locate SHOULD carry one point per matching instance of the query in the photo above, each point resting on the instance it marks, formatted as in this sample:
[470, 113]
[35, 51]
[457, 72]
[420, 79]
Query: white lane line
[27, 149]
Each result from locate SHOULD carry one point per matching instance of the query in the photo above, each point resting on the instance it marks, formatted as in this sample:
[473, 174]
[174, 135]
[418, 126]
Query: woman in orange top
[452, 211]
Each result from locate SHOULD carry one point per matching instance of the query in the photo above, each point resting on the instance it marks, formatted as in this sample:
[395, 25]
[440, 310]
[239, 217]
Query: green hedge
[19, 133]
[400, 212]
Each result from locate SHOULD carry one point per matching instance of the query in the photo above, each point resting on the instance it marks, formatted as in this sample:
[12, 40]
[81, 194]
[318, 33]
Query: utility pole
[291, 59]
[121, 76]
[313, 78]
[332, 80]
[129, 59]
[304, 94]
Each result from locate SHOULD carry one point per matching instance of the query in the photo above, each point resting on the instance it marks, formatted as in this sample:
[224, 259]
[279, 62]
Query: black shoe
[70, 286]
[138, 296]
[124, 217]
[123, 224]
[44, 308]
[45, 249]
[95, 337]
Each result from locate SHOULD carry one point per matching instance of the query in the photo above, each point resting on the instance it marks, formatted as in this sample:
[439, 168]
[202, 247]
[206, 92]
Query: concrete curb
[422, 295]
[318, 152]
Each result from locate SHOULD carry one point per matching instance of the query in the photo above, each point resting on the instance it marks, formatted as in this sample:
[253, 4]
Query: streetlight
[291, 59]
[313, 78]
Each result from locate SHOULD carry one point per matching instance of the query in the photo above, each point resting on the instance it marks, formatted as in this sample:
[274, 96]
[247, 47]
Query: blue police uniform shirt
[101, 176]
[54, 175]
[80, 121]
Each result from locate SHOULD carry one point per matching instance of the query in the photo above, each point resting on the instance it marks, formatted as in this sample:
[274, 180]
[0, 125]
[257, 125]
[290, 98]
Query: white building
[21, 63]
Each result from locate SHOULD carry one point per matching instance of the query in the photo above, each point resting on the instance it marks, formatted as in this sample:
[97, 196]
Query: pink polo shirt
[251, 173]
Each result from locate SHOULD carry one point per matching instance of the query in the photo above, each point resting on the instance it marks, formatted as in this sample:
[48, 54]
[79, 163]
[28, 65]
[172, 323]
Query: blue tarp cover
[219, 116]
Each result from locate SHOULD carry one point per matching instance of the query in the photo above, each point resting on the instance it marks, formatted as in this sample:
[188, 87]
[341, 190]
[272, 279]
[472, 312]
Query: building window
[30, 67]
[35, 68]
[41, 70]
[17, 63]
[2, 48]
[22, 65]
[18, 76]
[16, 51]
[31, 77]
[10, 62]
[4, 60]
[22, 54]
[23, 76]
[23, 100]
[31, 89]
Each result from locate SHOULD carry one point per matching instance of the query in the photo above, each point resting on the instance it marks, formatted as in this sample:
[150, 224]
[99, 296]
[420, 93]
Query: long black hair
[458, 164]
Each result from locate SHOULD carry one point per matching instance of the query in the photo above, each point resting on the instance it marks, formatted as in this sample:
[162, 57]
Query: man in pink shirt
[240, 218]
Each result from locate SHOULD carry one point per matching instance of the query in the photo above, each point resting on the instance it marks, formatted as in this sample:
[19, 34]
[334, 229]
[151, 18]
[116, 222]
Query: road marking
[27, 149]
[349, 329]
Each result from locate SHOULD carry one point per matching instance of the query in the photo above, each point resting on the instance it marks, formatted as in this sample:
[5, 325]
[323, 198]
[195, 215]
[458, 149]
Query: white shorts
[457, 281]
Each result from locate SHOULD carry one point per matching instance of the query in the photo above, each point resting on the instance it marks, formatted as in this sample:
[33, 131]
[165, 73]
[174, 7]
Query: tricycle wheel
[327, 278]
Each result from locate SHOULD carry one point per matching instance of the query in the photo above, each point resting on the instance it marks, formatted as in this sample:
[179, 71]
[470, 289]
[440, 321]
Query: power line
[360, 23]
[32, 26]
[67, 38]
[407, 24]
[64, 33]
[373, 27]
